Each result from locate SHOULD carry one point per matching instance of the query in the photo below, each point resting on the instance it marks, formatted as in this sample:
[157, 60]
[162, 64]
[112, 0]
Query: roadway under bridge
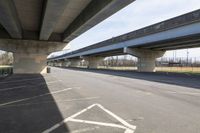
[147, 43]
[32, 29]
[100, 101]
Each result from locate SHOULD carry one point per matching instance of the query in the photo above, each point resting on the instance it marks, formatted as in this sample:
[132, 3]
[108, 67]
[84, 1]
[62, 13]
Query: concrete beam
[30, 46]
[94, 13]
[138, 52]
[52, 13]
[9, 18]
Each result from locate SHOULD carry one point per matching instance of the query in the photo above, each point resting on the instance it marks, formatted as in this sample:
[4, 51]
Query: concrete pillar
[146, 58]
[63, 63]
[146, 64]
[29, 63]
[30, 56]
[93, 62]
[74, 62]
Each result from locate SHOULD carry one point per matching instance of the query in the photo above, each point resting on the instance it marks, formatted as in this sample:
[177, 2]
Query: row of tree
[164, 61]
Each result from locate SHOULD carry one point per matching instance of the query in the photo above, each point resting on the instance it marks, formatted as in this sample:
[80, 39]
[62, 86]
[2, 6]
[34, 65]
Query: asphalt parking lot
[100, 101]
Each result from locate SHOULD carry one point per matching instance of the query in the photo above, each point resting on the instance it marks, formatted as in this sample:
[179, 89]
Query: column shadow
[27, 105]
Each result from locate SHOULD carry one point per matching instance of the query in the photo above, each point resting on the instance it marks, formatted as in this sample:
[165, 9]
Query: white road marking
[12, 88]
[47, 83]
[67, 119]
[23, 86]
[59, 101]
[185, 93]
[97, 123]
[128, 127]
[29, 98]
[20, 80]
[128, 131]
[117, 117]
[85, 129]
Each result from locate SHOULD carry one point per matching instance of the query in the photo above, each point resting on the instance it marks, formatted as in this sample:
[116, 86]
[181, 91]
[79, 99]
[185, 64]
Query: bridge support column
[29, 63]
[30, 56]
[74, 62]
[93, 62]
[146, 64]
[146, 58]
[63, 64]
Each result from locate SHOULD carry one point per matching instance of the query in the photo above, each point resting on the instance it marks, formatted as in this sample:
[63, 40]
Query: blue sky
[139, 14]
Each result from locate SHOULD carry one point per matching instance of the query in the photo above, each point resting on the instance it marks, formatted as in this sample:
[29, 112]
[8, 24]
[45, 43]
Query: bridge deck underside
[170, 44]
[176, 43]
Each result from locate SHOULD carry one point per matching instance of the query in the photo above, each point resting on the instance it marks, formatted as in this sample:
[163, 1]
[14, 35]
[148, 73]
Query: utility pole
[187, 57]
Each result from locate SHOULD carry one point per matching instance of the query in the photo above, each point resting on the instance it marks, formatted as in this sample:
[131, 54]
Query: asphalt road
[100, 101]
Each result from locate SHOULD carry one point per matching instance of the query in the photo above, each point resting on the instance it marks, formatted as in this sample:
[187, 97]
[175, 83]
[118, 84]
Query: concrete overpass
[147, 43]
[32, 29]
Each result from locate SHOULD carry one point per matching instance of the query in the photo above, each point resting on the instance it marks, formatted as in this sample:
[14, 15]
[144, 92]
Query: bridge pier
[29, 63]
[63, 63]
[146, 58]
[30, 56]
[93, 62]
[74, 62]
[146, 64]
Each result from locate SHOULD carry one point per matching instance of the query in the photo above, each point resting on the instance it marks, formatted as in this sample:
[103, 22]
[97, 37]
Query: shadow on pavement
[23, 108]
[179, 79]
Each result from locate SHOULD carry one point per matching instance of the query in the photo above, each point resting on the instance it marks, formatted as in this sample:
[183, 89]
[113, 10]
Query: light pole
[187, 57]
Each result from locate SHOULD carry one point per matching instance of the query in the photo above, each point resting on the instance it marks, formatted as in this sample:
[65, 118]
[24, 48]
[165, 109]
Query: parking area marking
[23, 86]
[12, 88]
[85, 129]
[20, 80]
[47, 83]
[97, 123]
[117, 117]
[29, 98]
[184, 93]
[52, 101]
[124, 125]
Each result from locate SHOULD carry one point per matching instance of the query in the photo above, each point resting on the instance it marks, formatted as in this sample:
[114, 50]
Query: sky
[137, 15]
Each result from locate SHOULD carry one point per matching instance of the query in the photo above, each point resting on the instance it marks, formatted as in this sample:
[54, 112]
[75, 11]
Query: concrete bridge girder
[146, 58]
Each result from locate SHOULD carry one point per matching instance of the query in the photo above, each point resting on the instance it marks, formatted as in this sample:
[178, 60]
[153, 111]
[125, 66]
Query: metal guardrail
[5, 71]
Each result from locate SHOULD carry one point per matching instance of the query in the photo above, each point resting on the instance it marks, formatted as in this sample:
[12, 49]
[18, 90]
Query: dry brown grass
[118, 68]
[179, 69]
[161, 69]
